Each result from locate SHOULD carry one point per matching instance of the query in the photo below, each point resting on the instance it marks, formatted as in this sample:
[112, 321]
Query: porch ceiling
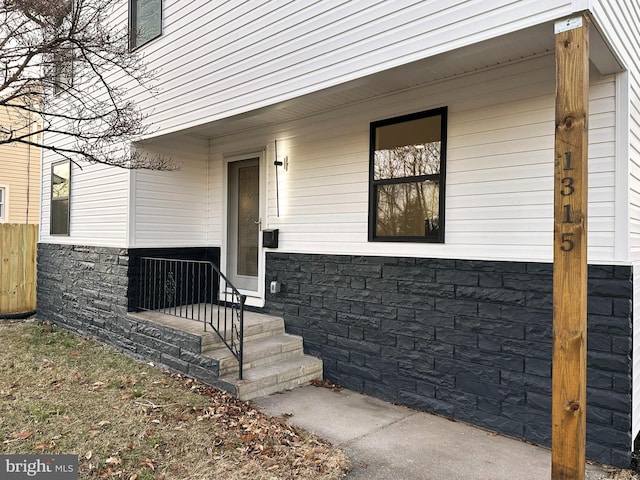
[520, 45]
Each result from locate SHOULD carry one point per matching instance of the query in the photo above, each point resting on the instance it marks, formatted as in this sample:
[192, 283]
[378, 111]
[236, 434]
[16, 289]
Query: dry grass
[60, 393]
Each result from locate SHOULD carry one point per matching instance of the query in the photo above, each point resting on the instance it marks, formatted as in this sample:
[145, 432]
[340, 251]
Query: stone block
[609, 436]
[331, 280]
[537, 366]
[539, 401]
[358, 345]
[457, 277]
[359, 295]
[490, 280]
[456, 307]
[407, 273]
[380, 390]
[608, 362]
[609, 288]
[174, 363]
[426, 290]
[429, 404]
[155, 344]
[619, 402]
[360, 270]
[599, 416]
[622, 307]
[528, 282]
[456, 337]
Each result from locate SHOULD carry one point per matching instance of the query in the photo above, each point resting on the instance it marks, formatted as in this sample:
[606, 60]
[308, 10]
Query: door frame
[254, 298]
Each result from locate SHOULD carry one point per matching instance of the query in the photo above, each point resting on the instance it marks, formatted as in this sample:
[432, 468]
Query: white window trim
[4, 217]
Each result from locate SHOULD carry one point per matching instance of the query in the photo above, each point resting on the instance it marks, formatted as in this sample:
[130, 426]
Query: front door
[243, 223]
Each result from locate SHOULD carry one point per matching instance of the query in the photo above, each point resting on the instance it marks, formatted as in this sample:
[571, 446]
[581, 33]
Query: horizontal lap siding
[499, 187]
[171, 207]
[246, 55]
[19, 175]
[99, 205]
[621, 23]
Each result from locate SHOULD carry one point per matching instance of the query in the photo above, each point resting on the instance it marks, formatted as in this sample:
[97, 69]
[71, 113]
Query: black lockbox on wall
[270, 238]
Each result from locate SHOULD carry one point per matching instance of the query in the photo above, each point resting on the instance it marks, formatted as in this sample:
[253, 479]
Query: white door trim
[254, 297]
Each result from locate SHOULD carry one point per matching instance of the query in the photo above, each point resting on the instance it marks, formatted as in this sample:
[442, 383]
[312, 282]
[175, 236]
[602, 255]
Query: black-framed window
[145, 21]
[407, 177]
[60, 195]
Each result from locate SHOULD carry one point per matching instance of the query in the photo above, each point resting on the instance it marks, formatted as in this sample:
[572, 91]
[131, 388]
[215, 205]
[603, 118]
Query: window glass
[60, 193]
[145, 21]
[407, 173]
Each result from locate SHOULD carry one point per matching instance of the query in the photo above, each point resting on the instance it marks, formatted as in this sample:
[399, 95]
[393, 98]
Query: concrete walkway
[386, 441]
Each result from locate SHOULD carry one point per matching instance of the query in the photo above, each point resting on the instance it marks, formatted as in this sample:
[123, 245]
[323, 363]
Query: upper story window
[145, 21]
[3, 204]
[60, 194]
[406, 177]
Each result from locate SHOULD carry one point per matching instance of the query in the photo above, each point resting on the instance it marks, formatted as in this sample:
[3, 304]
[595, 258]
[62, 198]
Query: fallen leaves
[326, 384]
[129, 422]
[17, 436]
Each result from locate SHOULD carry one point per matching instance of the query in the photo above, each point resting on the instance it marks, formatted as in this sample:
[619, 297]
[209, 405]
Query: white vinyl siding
[635, 381]
[499, 183]
[246, 55]
[621, 23]
[98, 207]
[171, 207]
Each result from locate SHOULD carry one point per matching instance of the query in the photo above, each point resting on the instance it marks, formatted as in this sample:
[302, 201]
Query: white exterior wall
[620, 21]
[218, 59]
[499, 184]
[99, 205]
[170, 208]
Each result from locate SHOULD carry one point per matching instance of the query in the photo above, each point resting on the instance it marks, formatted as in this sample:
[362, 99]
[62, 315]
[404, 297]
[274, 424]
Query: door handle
[259, 223]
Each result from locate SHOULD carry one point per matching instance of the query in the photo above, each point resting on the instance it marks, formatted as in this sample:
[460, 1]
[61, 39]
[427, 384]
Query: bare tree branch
[64, 63]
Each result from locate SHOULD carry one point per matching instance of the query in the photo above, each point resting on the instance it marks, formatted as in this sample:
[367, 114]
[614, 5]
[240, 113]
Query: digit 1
[567, 157]
[567, 214]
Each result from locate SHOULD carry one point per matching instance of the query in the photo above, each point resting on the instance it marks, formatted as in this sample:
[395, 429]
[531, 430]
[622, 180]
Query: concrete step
[256, 326]
[275, 377]
[273, 360]
[257, 351]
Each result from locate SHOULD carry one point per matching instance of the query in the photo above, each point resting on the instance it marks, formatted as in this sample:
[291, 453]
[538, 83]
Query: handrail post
[241, 336]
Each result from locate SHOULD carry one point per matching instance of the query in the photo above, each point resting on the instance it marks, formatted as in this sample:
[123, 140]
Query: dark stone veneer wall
[90, 289]
[470, 340]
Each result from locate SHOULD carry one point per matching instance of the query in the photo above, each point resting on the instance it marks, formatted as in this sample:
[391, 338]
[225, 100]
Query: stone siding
[87, 290]
[470, 340]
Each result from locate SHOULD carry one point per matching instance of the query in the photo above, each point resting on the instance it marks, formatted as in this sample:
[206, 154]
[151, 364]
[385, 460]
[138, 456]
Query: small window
[407, 173]
[3, 204]
[60, 190]
[145, 21]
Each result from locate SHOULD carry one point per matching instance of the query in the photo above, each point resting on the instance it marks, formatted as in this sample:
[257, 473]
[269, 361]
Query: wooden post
[569, 392]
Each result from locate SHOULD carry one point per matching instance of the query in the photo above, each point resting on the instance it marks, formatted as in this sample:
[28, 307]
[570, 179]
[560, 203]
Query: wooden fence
[18, 246]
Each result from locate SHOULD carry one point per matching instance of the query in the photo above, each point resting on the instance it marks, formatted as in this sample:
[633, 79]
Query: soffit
[517, 46]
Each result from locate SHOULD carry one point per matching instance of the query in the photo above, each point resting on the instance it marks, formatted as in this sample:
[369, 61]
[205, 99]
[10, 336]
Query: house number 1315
[566, 240]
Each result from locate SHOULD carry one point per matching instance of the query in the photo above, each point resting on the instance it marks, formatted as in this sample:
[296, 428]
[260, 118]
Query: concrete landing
[386, 441]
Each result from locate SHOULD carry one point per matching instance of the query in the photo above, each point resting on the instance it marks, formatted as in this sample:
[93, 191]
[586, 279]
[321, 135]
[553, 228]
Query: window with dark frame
[406, 177]
[145, 21]
[60, 194]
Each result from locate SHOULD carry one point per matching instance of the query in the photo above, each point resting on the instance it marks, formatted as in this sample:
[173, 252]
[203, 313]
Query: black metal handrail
[195, 290]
